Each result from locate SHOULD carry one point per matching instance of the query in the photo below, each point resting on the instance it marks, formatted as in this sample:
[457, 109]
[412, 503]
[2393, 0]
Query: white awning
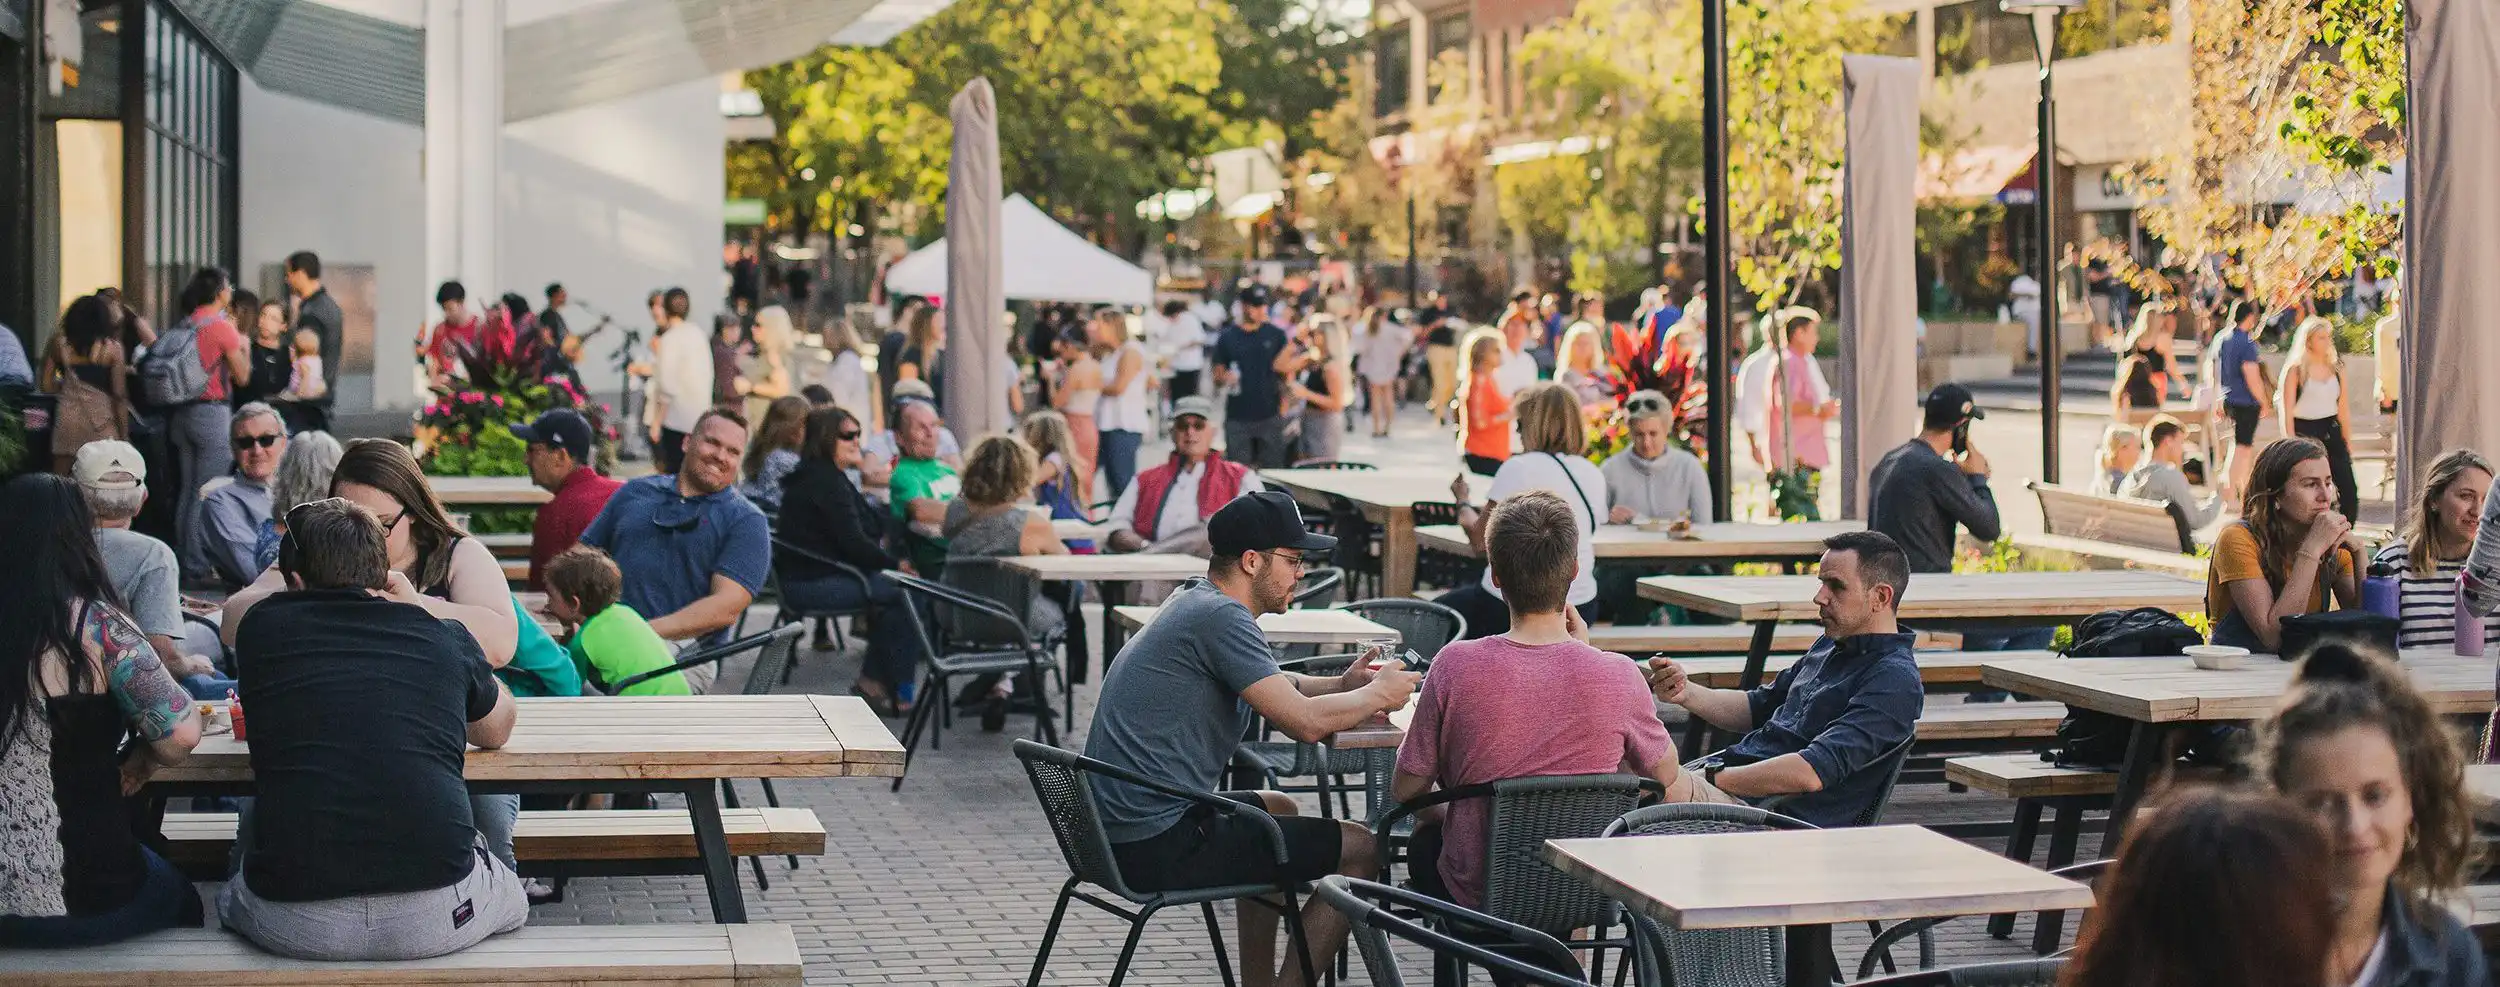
[1045, 262]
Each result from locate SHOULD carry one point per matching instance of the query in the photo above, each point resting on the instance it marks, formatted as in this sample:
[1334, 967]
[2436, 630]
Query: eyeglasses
[263, 441]
[1191, 423]
[300, 508]
[1299, 563]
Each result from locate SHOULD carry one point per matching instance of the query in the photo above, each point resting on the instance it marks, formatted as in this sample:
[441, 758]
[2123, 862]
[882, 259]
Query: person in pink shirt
[1804, 398]
[1537, 700]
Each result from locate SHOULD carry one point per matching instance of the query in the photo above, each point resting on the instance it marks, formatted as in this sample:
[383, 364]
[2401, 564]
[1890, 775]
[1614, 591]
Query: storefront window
[188, 135]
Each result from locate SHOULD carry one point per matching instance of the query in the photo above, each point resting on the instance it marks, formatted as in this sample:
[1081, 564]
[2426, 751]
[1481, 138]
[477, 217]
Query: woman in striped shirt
[2431, 549]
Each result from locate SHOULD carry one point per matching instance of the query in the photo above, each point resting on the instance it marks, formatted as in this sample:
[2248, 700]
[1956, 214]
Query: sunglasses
[849, 436]
[263, 441]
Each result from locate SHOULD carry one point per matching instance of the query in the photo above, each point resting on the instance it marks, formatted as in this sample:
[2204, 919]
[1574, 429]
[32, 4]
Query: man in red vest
[1167, 509]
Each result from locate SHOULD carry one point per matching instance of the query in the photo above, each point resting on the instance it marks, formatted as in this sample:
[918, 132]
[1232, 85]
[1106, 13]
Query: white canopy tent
[1045, 262]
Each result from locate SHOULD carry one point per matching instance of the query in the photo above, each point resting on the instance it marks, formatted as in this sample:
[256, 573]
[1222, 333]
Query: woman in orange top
[1484, 411]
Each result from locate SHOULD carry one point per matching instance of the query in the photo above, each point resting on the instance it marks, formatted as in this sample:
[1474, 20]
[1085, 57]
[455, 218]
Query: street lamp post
[1720, 301]
[2043, 15]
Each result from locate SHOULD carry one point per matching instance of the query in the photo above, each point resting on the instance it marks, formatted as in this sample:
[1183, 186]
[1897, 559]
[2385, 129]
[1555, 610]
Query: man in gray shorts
[1177, 700]
[360, 845]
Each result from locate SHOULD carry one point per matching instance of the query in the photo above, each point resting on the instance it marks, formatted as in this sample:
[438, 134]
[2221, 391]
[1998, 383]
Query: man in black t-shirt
[1245, 359]
[1440, 354]
[361, 708]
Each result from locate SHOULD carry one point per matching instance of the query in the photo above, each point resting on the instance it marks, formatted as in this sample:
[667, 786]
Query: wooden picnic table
[1712, 543]
[487, 490]
[1806, 881]
[2161, 695]
[682, 744]
[1304, 626]
[1387, 498]
[1113, 572]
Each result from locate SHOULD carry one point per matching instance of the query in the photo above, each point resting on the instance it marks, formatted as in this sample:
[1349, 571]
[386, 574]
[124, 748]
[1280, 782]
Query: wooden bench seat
[516, 571]
[2125, 556]
[200, 840]
[683, 954]
[1723, 639]
[1950, 722]
[507, 545]
[1957, 669]
[2128, 531]
[2024, 776]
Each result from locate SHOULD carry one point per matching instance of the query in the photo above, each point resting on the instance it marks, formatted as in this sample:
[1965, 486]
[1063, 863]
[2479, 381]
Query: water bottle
[2380, 592]
[2469, 626]
[2480, 586]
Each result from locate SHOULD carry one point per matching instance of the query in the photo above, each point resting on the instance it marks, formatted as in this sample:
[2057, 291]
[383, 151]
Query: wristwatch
[1710, 772]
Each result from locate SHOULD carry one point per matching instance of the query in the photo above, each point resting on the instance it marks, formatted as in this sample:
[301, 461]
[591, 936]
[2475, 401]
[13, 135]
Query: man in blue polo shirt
[1813, 736]
[693, 550]
[2244, 391]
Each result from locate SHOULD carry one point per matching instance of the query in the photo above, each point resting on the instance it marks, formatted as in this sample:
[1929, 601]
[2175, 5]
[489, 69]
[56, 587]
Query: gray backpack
[171, 375]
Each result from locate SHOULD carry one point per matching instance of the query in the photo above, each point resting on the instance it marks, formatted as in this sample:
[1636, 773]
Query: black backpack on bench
[2086, 739]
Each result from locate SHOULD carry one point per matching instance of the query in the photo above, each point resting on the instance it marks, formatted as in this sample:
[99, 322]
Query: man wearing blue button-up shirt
[1815, 733]
[693, 551]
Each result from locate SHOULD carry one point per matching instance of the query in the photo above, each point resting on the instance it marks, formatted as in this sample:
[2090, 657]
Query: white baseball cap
[110, 464]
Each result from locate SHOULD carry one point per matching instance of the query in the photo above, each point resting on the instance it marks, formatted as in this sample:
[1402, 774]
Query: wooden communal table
[682, 744]
[1387, 498]
[1806, 881]
[1706, 544]
[1113, 572]
[2162, 695]
[1319, 626]
[459, 491]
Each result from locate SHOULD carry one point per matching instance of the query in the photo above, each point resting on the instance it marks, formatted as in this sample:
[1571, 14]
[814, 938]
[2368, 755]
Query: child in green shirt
[612, 643]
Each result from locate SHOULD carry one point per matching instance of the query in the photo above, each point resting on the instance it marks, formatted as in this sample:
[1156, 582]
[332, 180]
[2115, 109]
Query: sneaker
[994, 714]
[540, 891]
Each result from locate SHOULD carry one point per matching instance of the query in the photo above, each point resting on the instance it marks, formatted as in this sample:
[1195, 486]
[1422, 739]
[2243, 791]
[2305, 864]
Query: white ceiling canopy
[369, 55]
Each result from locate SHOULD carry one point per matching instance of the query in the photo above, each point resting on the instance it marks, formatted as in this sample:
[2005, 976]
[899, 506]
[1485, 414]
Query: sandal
[874, 695]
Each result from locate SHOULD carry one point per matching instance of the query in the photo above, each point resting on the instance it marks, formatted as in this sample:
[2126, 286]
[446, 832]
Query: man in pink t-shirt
[1535, 701]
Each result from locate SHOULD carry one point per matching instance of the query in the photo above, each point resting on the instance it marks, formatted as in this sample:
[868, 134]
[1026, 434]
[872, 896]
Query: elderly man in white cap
[114, 479]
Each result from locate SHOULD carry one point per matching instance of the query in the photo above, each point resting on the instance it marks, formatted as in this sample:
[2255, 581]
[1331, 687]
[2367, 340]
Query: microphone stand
[629, 431]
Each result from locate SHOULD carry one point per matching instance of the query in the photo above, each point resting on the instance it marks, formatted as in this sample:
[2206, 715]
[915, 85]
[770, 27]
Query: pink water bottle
[2469, 626]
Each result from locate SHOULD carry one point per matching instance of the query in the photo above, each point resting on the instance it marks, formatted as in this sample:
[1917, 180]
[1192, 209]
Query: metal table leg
[711, 841]
[1114, 594]
[1810, 956]
[2147, 747]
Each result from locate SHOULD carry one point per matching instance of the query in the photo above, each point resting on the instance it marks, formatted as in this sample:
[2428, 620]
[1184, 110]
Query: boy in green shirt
[612, 643]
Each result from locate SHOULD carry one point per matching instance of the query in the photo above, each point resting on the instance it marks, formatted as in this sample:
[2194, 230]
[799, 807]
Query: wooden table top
[1809, 877]
[1386, 488]
[1319, 626]
[1737, 540]
[2482, 784]
[1376, 735]
[672, 737]
[2173, 690]
[2048, 596]
[473, 490]
[1109, 566]
[1934, 667]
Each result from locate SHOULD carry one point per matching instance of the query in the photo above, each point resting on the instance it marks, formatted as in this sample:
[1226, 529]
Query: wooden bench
[1967, 724]
[2129, 531]
[548, 843]
[1947, 669]
[516, 571]
[684, 955]
[2035, 784]
[1723, 639]
[2479, 909]
[507, 545]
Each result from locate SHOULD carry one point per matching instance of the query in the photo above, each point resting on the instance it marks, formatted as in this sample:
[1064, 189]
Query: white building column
[463, 142]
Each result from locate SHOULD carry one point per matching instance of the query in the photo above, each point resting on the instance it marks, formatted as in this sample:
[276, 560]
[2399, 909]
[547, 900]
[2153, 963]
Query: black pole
[1722, 346]
[2044, 170]
[1414, 284]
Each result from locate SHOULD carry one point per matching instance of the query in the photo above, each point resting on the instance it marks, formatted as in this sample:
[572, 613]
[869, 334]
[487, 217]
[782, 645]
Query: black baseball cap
[1255, 293]
[1951, 404]
[1261, 522]
[562, 428]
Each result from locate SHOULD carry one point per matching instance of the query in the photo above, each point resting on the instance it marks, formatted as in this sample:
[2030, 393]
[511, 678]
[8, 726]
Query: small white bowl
[2216, 657]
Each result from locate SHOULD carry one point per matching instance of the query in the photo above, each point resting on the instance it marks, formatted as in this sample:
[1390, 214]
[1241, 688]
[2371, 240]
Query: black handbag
[2361, 630]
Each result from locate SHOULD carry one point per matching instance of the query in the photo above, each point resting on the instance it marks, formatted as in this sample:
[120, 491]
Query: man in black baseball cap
[561, 443]
[1174, 705]
[1244, 359]
[1920, 491]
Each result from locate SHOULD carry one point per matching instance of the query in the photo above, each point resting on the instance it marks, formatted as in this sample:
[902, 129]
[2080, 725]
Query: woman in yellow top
[2274, 562]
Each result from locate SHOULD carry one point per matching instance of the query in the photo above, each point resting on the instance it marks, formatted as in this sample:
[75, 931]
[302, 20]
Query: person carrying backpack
[185, 378]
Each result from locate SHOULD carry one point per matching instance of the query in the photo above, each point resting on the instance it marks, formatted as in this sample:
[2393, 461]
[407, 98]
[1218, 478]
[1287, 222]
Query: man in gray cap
[1176, 702]
[1167, 508]
[113, 478]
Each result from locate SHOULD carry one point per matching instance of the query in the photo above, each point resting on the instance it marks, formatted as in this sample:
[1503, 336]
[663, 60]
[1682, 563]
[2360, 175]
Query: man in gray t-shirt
[1176, 702]
[113, 479]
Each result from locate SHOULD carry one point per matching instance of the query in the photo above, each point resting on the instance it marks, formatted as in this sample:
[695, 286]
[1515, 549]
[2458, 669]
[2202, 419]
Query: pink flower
[498, 399]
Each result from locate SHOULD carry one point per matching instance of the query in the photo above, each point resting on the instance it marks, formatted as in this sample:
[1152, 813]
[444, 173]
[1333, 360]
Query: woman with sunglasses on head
[2359, 748]
[76, 677]
[825, 520]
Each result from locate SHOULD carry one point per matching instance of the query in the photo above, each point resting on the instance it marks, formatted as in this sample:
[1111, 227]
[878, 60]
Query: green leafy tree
[2348, 115]
[1623, 74]
[1784, 137]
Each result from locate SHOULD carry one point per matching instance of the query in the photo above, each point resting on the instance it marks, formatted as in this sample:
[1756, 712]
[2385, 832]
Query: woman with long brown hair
[774, 452]
[2359, 748]
[85, 365]
[2285, 554]
[2316, 403]
[2213, 888]
[2430, 550]
[825, 520]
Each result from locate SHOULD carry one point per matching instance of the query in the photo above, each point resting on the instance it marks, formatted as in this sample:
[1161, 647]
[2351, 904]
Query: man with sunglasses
[1178, 699]
[1167, 508]
[231, 516]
